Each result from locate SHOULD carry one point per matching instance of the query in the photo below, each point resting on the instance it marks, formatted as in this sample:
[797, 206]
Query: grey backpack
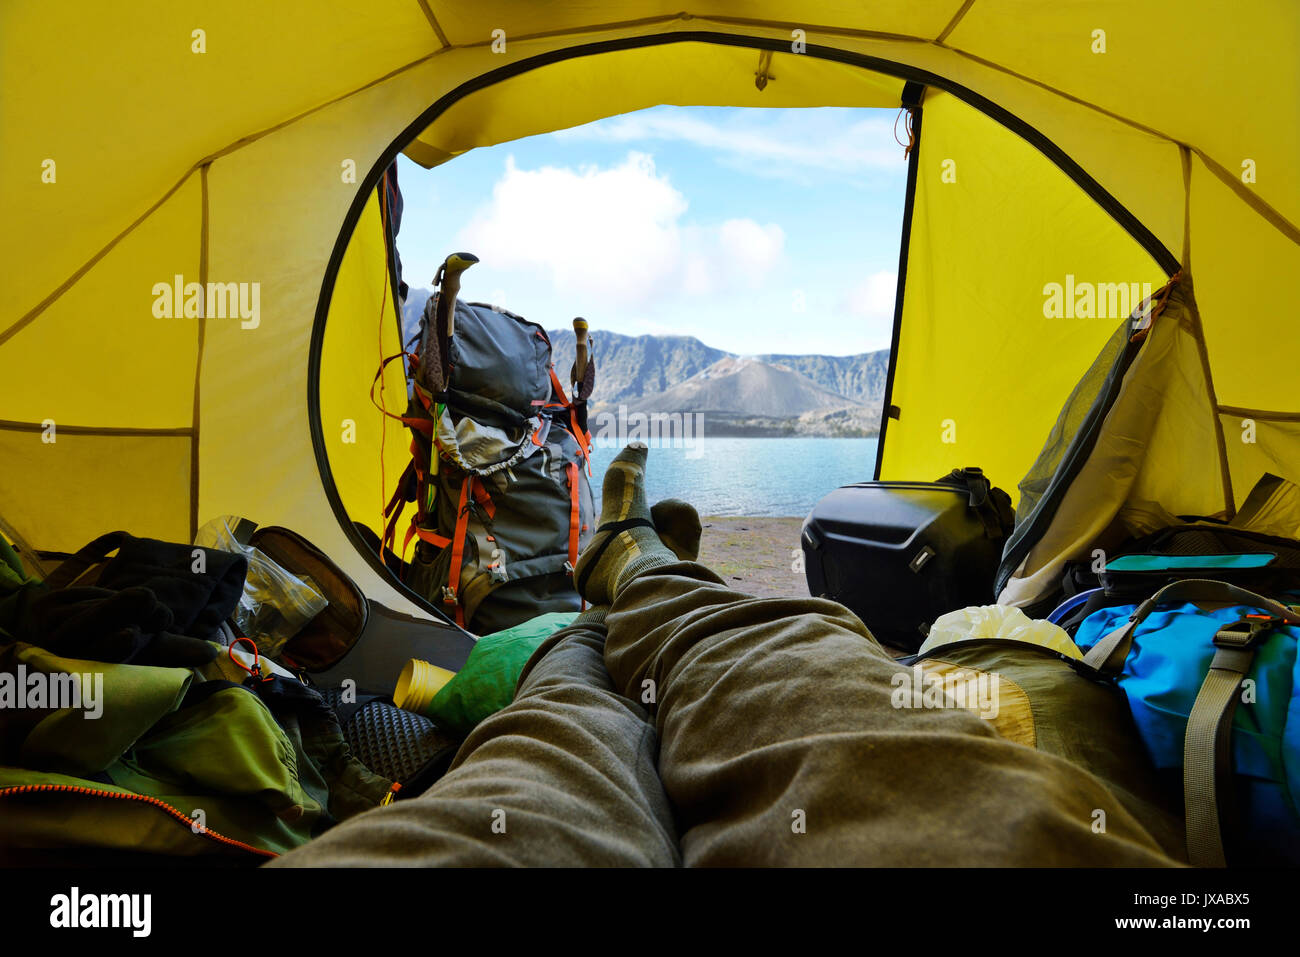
[499, 472]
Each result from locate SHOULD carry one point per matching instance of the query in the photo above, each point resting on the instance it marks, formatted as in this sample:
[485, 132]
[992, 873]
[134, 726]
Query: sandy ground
[755, 555]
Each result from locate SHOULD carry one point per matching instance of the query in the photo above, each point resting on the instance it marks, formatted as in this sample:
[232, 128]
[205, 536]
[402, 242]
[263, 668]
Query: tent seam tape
[975, 58]
[1198, 333]
[9, 425]
[1278, 221]
[254, 137]
[1244, 413]
[68, 283]
[1284, 225]
[198, 352]
[1225, 473]
[433, 22]
[728, 21]
[952, 24]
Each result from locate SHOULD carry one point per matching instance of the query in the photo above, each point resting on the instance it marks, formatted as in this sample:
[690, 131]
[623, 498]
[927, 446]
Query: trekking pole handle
[448, 280]
[582, 352]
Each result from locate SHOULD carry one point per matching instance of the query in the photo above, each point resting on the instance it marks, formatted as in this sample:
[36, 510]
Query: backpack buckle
[1245, 632]
[449, 596]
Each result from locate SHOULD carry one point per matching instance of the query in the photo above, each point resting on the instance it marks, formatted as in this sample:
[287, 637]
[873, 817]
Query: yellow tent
[195, 296]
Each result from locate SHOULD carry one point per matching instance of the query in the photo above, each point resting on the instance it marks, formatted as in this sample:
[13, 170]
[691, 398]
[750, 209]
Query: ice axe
[435, 365]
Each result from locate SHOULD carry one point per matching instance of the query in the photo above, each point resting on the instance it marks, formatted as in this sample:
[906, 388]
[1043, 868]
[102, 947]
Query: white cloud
[616, 235]
[873, 296]
[781, 143]
[738, 254]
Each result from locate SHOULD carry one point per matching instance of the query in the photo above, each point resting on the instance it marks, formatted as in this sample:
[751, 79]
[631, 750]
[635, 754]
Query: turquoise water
[722, 476]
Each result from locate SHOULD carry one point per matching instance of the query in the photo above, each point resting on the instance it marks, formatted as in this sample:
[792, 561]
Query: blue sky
[754, 230]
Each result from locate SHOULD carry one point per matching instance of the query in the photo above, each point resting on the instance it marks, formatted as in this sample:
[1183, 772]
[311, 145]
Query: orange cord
[1161, 299]
[256, 670]
[911, 136]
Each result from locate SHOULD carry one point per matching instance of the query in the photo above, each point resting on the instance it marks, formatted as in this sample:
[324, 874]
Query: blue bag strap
[1109, 654]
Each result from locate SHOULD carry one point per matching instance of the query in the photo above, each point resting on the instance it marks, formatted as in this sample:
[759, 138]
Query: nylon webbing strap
[457, 552]
[88, 555]
[1115, 645]
[1206, 751]
[1108, 655]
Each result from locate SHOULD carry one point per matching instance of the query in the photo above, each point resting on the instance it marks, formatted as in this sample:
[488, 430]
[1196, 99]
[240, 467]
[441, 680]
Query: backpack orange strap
[481, 496]
[396, 505]
[433, 538]
[559, 389]
[458, 552]
[583, 439]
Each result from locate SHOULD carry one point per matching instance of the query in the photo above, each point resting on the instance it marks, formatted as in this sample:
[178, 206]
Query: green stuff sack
[487, 682]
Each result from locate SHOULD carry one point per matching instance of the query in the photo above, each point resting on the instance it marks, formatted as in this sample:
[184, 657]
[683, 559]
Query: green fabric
[327, 769]
[487, 682]
[11, 568]
[67, 740]
[228, 745]
[16, 589]
[1086, 722]
[224, 754]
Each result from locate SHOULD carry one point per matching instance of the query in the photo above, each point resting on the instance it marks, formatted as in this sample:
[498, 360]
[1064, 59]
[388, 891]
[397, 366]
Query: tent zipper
[202, 829]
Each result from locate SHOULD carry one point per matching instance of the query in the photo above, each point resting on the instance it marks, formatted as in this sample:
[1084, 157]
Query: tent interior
[176, 143]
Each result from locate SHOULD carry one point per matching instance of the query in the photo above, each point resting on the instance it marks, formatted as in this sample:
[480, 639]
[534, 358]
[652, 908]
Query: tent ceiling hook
[763, 73]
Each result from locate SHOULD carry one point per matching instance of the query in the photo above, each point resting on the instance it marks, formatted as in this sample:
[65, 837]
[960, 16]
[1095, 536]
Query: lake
[734, 476]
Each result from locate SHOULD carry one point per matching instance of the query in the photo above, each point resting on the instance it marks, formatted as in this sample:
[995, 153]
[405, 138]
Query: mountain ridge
[766, 394]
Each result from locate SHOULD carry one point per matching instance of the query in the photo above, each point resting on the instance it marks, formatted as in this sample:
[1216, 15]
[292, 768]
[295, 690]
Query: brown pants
[708, 727]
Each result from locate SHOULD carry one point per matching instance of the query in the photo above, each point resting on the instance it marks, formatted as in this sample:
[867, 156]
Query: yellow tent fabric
[995, 222]
[158, 140]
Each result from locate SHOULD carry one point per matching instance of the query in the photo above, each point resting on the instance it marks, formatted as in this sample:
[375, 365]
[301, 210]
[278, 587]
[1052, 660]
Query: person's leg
[779, 743]
[563, 776]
